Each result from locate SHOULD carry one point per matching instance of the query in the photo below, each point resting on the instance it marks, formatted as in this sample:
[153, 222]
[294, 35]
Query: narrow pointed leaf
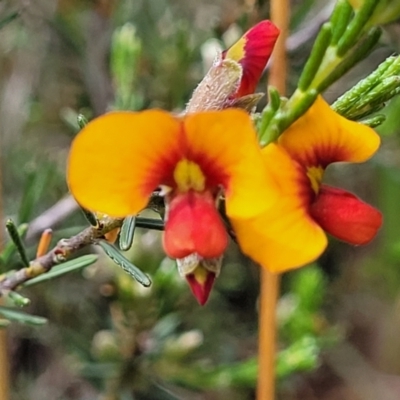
[10, 248]
[150, 223]
[21, 317]
[318, 52]
[125, 264]
[127, 233]
[16, 238]
[64, 268]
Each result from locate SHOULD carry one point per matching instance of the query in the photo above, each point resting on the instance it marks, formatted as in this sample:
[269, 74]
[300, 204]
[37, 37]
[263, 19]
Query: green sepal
[20, 317]
[299, 103]
[269, 111]
[64, 268]
[125, 264]
[317, 54]
[274, 98]
[127, 233]
[17, 240]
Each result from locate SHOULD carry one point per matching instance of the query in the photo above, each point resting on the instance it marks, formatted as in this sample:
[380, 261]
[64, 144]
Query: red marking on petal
[345, 216]
[194, 226]
[201, 290]
[258, 44]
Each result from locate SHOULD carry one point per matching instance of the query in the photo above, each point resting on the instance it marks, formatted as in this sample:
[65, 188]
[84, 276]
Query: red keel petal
[194, 226]
[345, 216]
[201, 290]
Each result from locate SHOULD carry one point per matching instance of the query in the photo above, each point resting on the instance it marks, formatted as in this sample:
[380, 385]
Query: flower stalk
[270, 281]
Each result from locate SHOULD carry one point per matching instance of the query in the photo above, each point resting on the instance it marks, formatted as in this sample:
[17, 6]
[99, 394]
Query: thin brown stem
[269, 290]
[267, 335]
[278, 72]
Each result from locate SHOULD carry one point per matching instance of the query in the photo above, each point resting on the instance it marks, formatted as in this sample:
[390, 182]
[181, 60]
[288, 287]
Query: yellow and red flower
[119, 159]
[291, 234]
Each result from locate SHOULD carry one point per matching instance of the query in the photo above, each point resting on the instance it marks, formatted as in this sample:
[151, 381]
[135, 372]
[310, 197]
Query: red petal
[345, 216]
[194, 226]
[253, 51]
[201, 290]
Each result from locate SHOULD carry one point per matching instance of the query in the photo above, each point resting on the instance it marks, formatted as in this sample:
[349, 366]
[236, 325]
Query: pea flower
[291, 234]
[120, 158]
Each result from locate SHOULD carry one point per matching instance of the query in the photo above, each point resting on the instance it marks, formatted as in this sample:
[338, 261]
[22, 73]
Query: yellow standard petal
[118, 159]
[225, 145]
[284, 236]
[321, 136]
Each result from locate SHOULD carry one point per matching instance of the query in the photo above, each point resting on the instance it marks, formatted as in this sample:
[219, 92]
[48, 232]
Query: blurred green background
[109, 338]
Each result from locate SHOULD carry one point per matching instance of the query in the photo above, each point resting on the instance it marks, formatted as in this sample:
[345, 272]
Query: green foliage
[124, 263]
[340, 44]
[371, 94]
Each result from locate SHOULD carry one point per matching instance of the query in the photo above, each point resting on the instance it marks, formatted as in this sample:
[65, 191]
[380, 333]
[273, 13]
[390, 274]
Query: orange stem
[269, 291]
[278, 72]
[267, 335]
[44, 242]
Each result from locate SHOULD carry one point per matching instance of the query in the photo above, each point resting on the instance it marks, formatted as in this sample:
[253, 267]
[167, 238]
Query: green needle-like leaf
[21, 317]
[125, 264]
[356, 26]
[340, 19]
[16, 238]
[69, 266]
[318, 52]
[150, 223]
[127, 233]
[10, 248]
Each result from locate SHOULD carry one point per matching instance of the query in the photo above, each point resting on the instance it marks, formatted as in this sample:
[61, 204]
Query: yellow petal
[224, 144]
[284, 236]
[118, 159]
[321, 136]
